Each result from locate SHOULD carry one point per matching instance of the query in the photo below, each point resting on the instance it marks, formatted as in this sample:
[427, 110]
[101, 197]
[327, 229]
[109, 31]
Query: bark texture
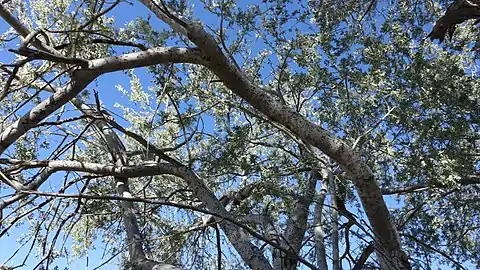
[296, 224]
[350, 161]
[318, 230]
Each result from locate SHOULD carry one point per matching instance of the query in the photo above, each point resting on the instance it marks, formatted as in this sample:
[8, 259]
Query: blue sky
[108, 94]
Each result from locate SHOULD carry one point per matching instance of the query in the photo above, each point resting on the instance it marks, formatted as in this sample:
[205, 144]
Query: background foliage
[372, 78]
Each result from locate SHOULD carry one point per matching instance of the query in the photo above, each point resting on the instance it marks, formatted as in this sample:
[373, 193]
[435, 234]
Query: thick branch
[80, 79]
[363, 257]
[166, 203]
[328, 174]
[59, 98]
[198, 187]
[249, 252]
[458, 12]
[296, 224]
[318, 230]
[146, 58]
[350, 161]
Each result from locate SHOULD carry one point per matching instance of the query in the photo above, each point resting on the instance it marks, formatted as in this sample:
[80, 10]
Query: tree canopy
[222, 134]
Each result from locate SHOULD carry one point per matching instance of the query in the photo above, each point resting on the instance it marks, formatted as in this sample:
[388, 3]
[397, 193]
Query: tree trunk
[318, 231]
[328, 174]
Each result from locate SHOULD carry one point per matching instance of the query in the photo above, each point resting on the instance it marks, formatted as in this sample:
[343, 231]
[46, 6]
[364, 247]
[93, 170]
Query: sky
[94, 258]
[108, 94]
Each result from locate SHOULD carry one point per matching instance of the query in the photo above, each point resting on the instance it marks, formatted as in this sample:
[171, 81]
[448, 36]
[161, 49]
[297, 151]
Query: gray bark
[239, 239]
[211, 56]
[349, 160]
[296, 224]
[80, 78]
[135, 240]
[318, 230]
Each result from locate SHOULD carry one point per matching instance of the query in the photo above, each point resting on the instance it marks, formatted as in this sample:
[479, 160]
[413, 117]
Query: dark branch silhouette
[458, 12]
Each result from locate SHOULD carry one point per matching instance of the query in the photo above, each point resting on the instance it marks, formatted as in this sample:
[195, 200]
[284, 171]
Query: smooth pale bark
[101, 169]
[213, 58]
[318, 230]
[251, 255]
[239, 239]
[81, 78]
[350, 161]
[134, 238]
[149, 57]
[296, 224]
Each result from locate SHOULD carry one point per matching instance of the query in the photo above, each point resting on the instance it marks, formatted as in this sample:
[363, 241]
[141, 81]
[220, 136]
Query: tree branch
[350, 161]
[473, 179]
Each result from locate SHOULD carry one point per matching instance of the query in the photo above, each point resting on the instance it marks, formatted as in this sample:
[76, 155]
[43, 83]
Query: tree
[274, 135]
[458, 12]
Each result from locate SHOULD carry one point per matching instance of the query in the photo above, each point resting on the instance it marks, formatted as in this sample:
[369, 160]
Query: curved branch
[350, 161]
[444, 254]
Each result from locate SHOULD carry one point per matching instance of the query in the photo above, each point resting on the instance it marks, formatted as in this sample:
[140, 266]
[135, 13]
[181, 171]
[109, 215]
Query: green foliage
[410, 106]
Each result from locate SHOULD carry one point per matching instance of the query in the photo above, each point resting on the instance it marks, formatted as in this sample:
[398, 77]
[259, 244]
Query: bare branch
[364, 257]
[80, 79]
[34, 54]
[178, 205]
[154, 56]
[473, 179]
